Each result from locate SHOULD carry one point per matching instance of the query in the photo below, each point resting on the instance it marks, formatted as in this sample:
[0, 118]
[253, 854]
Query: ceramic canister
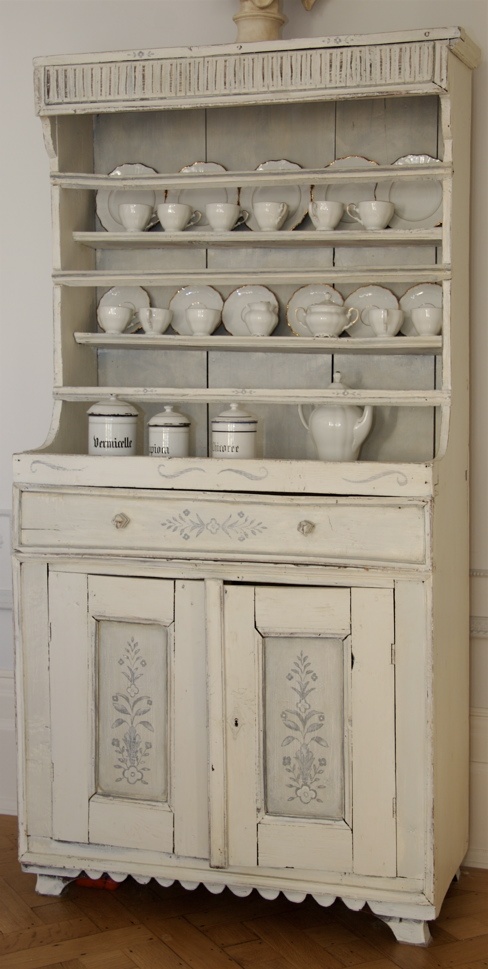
[234, 434]
[112, 426]
[169, 434]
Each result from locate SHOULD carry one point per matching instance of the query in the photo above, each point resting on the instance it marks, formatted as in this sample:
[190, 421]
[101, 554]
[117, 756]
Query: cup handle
[365, 316]
[312, 210]
[246, 324]
[135, 323]
[283, 209]
[353, 211]
[352, 317]
[194, 218]
[300, 315]
[243, 217]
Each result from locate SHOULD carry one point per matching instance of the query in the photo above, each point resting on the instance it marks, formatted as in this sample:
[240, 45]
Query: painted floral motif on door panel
[132, 731]
[304, 727]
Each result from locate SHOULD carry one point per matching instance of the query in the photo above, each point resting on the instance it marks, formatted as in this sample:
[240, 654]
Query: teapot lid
[337, 383]
[112, 407]
[169, 418]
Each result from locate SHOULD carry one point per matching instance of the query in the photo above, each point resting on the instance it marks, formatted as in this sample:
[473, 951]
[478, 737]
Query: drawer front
[330, 530]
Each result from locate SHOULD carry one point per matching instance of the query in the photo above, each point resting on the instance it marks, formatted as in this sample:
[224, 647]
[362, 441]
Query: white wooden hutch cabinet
[253, 673]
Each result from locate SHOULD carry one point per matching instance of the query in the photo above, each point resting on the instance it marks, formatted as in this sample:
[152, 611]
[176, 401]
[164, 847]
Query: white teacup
[155, 320]
[114, 319]
[224, 216]
[427, 320]
[176, 216]
[270, 215]
[326, 215]
[373, 215]
[135, 216]
[383, 322]
[202, 320]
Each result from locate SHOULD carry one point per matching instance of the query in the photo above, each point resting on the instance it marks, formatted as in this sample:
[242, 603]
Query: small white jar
[112, 428]
[234, 434]
[169, 434]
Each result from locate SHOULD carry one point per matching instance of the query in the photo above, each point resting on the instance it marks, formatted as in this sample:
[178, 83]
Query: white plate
[296, 197]
[126, 295]
[347, 191]
[425, 294]
[235, 303]
[199, 197]
[418, 204]
[185, 297]
[309, 296]
[362, 299]
[109, 199]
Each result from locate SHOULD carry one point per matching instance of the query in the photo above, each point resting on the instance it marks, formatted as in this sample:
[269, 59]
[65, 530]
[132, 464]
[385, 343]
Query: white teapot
[260, 317]
[338, 430]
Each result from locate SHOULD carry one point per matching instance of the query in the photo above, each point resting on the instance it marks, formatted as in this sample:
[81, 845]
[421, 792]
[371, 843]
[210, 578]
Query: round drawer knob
[305, 527]
[120, 520]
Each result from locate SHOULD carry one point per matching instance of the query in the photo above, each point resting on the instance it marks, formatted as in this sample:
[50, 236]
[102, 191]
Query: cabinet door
[128, 724]
[309, 751]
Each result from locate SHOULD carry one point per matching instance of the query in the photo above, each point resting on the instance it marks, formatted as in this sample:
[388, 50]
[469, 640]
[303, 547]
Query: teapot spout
[362, 427]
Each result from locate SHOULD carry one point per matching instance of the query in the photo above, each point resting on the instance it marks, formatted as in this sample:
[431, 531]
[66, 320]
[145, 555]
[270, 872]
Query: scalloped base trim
[405, 929]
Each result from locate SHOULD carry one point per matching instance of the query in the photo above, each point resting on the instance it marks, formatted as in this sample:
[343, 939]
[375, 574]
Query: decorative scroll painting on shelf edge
[209, 78]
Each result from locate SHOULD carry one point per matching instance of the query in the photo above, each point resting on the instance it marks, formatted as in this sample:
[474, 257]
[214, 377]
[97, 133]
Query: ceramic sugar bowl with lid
[112, 427]
[234, 433]
[169, 434]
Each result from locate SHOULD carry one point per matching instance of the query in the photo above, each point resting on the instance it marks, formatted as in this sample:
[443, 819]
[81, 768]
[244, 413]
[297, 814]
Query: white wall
[37, 27]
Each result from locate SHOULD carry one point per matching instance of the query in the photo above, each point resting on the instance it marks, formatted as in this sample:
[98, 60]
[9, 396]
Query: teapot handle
[362, 426]
[302, 417]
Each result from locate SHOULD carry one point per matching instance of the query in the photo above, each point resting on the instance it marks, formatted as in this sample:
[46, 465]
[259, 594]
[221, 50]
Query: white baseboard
[8, 772]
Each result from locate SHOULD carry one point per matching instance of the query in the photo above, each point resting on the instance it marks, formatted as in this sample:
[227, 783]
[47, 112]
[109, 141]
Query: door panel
[297, 661]
[120, 754]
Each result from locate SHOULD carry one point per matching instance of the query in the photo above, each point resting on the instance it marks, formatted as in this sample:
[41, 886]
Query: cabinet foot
[51, 884]
[408, 930]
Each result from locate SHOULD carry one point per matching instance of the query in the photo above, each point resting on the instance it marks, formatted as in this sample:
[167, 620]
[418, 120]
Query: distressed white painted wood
[233, 584]
[373, 675]
[373, 530]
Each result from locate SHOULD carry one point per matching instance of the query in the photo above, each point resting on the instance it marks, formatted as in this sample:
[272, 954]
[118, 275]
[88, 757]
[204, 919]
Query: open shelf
[240, 277]
[211, 395]
[315, 176]
[282, 344]
[248, 239]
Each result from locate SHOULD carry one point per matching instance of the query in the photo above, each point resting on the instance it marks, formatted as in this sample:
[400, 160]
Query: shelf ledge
[211, 395]
[280, 344]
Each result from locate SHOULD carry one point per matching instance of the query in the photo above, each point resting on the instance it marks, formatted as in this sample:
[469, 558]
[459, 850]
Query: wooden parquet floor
[149, 927]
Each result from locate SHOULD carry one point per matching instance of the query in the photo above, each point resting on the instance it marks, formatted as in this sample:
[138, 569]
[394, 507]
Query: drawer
[352, 530]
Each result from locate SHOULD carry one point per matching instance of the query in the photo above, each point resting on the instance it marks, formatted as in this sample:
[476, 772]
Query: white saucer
[362, 299]
[184, 298]
[126, 295]
[199, 197]
[238, 300]
[346, 192]
[309, 296]
[418, 204]
[109, 199]
[425, 294]
[296, 196]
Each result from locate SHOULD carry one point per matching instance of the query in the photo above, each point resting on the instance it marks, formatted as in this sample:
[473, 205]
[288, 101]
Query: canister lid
[169, 418]
[112, 407]
[235, 414]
